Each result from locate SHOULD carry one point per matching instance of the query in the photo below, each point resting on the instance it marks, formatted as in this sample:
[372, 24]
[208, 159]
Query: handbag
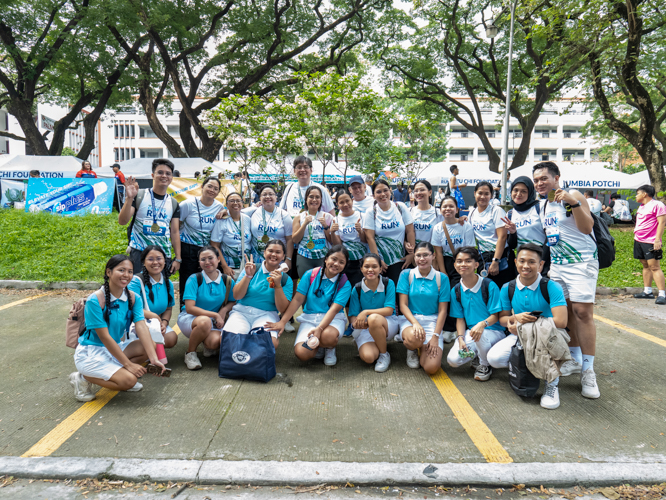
[248, 356]
[521, 380]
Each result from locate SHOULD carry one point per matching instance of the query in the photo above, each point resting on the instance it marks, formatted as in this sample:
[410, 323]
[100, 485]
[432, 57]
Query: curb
[90, 285]
[315, 473]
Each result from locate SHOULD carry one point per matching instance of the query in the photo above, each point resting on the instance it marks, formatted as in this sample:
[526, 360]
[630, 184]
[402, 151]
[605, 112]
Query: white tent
[335, 173]
[142, 168]
[19, 166]
[438, 174]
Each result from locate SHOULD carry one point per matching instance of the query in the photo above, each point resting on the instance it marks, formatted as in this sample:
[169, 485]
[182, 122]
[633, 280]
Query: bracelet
[436, 334]
[165, 320]
[460, 336]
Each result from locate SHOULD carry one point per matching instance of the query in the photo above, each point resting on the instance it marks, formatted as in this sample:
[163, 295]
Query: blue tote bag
[247, 356]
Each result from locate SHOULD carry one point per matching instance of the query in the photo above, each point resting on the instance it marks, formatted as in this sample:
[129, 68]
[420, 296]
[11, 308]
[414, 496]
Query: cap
[115, 165]
[356, 178]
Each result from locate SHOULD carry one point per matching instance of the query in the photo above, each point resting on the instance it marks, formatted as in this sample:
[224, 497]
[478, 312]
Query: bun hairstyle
[145, 276]
[425, 244]
[112, 263]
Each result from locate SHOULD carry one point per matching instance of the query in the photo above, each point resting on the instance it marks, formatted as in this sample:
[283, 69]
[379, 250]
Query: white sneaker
[330, 359]
[289, 328]
[588, 380]
[413, 359]
[483, 373]
[137, 387]
[321, 352]
[570, 367]
[192, 361]
[209, 353]
[83, 390]
[551, 398]
[383, 362]
[449, 336]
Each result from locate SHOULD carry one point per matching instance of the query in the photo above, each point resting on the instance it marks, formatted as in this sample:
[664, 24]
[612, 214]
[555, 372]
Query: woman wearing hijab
[523, 221]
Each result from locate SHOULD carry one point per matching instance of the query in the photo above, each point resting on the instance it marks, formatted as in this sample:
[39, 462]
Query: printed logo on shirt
[550, 220]
[162, 213]
[390, 225]
[347, 230]
[479, 227]
[422, 226]
[207, 219]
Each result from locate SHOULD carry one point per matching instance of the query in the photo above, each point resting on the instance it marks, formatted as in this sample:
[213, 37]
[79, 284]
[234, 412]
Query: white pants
[245, 318]
[363, 336]
[311, 321]
[498, 356]
[488, 339]
[428, 322]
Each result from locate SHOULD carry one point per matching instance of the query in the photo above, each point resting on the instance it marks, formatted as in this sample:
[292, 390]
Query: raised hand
[307, 220]
[250, 266]
[509, 225]
[131, 188]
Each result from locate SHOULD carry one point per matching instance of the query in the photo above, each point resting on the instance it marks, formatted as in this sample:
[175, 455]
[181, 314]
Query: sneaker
[209, 353]
[289, 327]
[661, 300]
[570, 367]
[475, 363]
[644, 295]
[348, 332]
[483, 373]
[321, 352]
[83, 390]
[413, 359]
[551, 397]
[449, 336]
[137, 387]
[589, 382]
[330, 359]
[192, 361]
[383, 362]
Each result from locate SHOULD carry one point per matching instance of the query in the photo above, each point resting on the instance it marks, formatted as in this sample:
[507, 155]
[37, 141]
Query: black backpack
[484, 291]
[521, 380]
[357, 287]
[543, 287]
[605, 242]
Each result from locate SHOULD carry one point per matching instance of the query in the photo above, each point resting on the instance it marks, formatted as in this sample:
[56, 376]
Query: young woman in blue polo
[424, 295]
[476, 313]
[261, 294]
[323, 292]
[202, 317]
[105, 356]
[372, 313]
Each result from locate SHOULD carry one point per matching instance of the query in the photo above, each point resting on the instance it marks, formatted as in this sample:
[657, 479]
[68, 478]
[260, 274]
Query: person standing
[86, 171]
[400, 195]
[439, 197]
[34, 174]
[574, 266]
[648, 233]
[362, 201]
[595, 205]
[311, 231]
[455, 188]
[119, 195]
[426, 217]
[120, 177]
[155, 218]
[233, 237]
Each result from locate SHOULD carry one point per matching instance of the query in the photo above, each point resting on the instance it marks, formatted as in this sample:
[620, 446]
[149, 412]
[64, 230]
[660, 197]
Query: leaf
[609, 493]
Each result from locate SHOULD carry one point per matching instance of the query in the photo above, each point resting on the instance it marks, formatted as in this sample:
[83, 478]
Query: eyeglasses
[154, 259]
[234, 201]
[268, 195]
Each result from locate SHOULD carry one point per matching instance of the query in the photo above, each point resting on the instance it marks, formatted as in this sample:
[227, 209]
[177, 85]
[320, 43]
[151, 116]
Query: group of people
[377, 269]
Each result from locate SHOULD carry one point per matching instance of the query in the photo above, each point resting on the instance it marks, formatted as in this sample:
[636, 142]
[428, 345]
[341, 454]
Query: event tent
[142, 168]
[583, 177]
[19, 166]
[334, 173]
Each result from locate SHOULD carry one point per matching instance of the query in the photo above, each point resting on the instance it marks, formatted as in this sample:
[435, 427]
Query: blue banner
[70, 196]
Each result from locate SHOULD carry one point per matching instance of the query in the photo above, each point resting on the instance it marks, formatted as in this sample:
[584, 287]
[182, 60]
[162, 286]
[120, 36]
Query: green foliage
[625, 271]
[48, 247]
[67, 151]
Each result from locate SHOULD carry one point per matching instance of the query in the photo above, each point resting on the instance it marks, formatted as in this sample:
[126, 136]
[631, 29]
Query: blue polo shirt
[473, 308]
[210, 295]
[528, 298]
[160, 301]
[382, 297]
[314, 304]
[120, 318]
[259, 293]
[423, 296]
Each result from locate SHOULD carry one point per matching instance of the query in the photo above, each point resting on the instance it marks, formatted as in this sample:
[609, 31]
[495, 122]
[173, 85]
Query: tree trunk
[33, 138]
[654, 161]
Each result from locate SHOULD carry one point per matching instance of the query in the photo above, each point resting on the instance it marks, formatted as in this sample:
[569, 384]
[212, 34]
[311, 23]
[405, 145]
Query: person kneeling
[371, 313]
[261, 296]
[104, 356]
[475, 302]
[524, 300]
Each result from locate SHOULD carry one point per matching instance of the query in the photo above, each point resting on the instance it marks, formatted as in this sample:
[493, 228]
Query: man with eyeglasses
[155, 216]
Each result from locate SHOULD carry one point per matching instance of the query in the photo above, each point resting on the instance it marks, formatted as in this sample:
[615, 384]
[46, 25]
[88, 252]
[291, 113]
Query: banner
[12, 192]
[70, 197]
[183, 189]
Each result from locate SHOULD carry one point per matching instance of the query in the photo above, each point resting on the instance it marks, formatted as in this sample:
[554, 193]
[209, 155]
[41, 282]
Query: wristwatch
[180, 261]
[495, 259]
[575, 206]
[486, 322]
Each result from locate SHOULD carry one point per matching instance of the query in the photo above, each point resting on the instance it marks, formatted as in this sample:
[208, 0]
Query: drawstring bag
[248, 356]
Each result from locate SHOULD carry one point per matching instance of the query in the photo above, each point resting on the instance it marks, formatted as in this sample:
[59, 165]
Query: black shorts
[645, 251]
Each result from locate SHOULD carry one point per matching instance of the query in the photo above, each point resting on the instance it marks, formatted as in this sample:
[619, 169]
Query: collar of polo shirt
[532, 287]
[122, 298]
[380, 287]
[263, 268]
[324, 277]
[153, 282]
[216, 280]
[475, 288]
[431, 274]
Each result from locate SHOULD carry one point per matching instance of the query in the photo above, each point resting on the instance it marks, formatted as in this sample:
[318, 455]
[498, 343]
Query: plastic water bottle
[161, 353]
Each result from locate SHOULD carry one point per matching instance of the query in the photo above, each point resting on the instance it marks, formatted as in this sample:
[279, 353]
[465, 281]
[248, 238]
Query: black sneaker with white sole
[661, 300]
[644, 295]
[483, 373]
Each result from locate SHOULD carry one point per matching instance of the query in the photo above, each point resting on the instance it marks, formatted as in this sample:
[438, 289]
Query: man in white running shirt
[360, 200]
[569, 225]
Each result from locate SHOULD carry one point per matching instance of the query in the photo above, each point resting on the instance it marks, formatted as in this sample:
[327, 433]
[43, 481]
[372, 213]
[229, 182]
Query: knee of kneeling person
[367, 357]
[127, 381]
[431, 369]
[202, 322]
[375, 320]
[496, 361]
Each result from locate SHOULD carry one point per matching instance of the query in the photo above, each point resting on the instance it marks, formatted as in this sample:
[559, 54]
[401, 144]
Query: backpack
[521, 380]
[485, 283]
[438, 278]
[357, 287]
[138, 200]
[76, 321]
[543, 287]
[605, 242]
[447, 189]
[341, 282]
[227, 285]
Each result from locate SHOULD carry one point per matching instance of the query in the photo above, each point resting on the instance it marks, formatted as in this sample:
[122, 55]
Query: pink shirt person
[646, 221]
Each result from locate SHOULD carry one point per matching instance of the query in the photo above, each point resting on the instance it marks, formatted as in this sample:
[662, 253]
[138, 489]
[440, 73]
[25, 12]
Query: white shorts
[579, 281]
[428, 323]
[96, 361]
[185, 323]
[363, 336]
[245, 318]
[311, 321]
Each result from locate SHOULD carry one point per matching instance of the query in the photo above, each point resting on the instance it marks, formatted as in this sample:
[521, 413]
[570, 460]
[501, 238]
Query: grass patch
[625, 271]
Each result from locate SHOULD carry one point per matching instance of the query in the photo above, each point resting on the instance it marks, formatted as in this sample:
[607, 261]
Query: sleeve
[249, 211]
[288, 288]
[556, 294]
[135, 286]
[438, 218]
[494, 302]
[342, 297]
[327, 202]
[504, 298]
[469, 240]
[304, 284]
[369, 219]
[137, 308]
[184, 210]
[122, 177]
[93, 313]
[445, 289]
[403, 282]
[288, 224]
[498, 213]
[176, 213]
[285, 195]
[355, 303]
[191, 288]
[407, 216]
[660, 209]
[437, 238]
[78, 174]
[612, 204]
[231, 292]
[389, 300]
[216, 233]
[456, 310]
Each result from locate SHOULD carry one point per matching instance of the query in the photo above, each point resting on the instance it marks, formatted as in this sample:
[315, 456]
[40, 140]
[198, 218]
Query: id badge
[148, 228]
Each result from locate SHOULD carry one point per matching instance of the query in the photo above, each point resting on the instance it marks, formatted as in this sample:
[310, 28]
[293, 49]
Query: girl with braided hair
[158, 289]
[105, 356]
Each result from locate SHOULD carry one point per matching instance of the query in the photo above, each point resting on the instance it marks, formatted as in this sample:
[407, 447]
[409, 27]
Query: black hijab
[531, 194]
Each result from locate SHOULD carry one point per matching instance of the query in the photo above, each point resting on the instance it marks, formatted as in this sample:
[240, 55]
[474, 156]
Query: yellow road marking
[479, 433]
[65, 429]
[176, 329]
[22, 301]
[644, 335]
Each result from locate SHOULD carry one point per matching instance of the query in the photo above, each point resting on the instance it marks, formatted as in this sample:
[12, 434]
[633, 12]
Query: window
[545, 156]
[461, 155]
[464, 133]
[146, 131]
[150, 153]
[132, 129]
[122, 154]
[573, 155]
[567, 135]
[115, 130]
[127, 134]
[115, 154]
[545, 134]
[490, 133]
[174, 130]
[133, 151]
[516, 134]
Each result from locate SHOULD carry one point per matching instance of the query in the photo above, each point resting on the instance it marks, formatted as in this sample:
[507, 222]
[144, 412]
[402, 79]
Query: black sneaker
[661, 300]
[644, 295]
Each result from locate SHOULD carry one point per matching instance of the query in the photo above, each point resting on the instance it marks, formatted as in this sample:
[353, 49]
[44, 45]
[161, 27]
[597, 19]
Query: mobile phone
[156, 370]
[536, 313]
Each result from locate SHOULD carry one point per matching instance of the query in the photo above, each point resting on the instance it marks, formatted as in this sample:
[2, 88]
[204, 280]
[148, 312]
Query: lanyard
[310, 226]
[155, 212]
[199, 210]
[298, 186]
[263, 215]
[237, 225]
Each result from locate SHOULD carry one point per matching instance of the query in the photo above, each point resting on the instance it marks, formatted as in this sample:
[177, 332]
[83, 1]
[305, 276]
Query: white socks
[662, 293]
[576, 354]
[647, 290]
[588, 362]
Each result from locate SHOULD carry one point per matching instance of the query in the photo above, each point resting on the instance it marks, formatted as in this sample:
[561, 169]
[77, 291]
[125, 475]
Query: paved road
[346, 413]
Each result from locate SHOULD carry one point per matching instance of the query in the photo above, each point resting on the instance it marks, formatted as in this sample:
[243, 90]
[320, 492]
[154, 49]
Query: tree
[438, 54]
[230, 48]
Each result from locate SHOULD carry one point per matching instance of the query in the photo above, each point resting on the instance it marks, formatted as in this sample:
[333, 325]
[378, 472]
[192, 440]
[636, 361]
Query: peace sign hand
[250, 266]
[509, 225]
